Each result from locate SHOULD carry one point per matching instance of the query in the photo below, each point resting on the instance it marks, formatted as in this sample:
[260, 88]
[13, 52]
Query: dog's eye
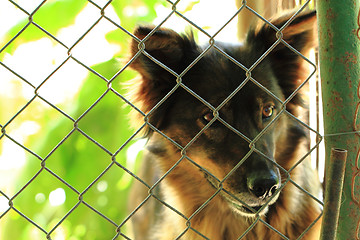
[268, 111]
[208, 117]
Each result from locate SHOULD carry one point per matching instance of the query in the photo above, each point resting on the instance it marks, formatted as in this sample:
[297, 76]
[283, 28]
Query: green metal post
[339, 48]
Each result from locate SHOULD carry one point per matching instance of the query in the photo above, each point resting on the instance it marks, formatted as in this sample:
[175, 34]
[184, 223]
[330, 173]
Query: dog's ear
[287, 65]
[163, 46]
[158, 55]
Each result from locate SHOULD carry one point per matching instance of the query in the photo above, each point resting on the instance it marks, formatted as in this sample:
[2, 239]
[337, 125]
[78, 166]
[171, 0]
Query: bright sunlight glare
[57, 197]
[4, 204]
[209, 15]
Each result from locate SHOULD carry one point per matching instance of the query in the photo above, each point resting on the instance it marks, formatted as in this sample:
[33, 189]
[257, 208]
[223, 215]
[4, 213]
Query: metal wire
[179, 84]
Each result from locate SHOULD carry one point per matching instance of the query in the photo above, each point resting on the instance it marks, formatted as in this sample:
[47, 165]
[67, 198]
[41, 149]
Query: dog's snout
[263, 186]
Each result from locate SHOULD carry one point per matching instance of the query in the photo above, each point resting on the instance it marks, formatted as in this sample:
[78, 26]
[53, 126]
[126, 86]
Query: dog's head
[222, 103]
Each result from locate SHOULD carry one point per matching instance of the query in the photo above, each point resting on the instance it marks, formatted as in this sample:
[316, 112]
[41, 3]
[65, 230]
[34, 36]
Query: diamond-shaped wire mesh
[70, 169]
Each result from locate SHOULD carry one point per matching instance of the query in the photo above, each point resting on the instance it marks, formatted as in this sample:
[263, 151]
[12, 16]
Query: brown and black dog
[223, 146]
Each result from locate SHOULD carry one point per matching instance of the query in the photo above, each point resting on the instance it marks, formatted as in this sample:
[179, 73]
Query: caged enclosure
[71, 154]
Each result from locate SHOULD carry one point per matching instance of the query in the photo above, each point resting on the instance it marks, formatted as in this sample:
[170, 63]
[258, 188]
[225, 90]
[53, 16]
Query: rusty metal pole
[334, 185]
[339, 51]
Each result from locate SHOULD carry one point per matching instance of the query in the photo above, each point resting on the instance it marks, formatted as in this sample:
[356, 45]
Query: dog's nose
[263, 186]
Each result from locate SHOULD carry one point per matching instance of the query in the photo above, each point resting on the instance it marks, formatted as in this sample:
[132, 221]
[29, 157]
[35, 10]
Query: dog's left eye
[208, 117]
[268, 111]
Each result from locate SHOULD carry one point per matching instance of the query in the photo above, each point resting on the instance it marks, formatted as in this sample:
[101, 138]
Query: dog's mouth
[241, 209]
[251, 211]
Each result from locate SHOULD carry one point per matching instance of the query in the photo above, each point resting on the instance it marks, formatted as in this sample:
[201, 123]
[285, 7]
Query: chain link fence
[46, 163]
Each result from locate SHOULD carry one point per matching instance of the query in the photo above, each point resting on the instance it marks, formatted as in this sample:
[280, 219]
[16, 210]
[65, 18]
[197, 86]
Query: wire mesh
[114, 163]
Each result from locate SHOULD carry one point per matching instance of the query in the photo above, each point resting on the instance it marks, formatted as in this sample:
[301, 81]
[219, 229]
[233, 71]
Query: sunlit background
[49, 82]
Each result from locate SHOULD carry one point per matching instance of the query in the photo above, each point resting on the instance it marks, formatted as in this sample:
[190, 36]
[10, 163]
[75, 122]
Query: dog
[225, 156]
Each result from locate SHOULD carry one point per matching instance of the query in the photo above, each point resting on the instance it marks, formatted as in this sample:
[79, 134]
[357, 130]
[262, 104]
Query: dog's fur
[240, 182]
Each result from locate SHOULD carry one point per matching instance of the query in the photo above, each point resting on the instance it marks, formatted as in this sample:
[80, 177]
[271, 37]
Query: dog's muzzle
[261, 192]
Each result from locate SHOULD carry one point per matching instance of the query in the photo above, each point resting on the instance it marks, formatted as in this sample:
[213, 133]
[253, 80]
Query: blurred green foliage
[68, 153]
